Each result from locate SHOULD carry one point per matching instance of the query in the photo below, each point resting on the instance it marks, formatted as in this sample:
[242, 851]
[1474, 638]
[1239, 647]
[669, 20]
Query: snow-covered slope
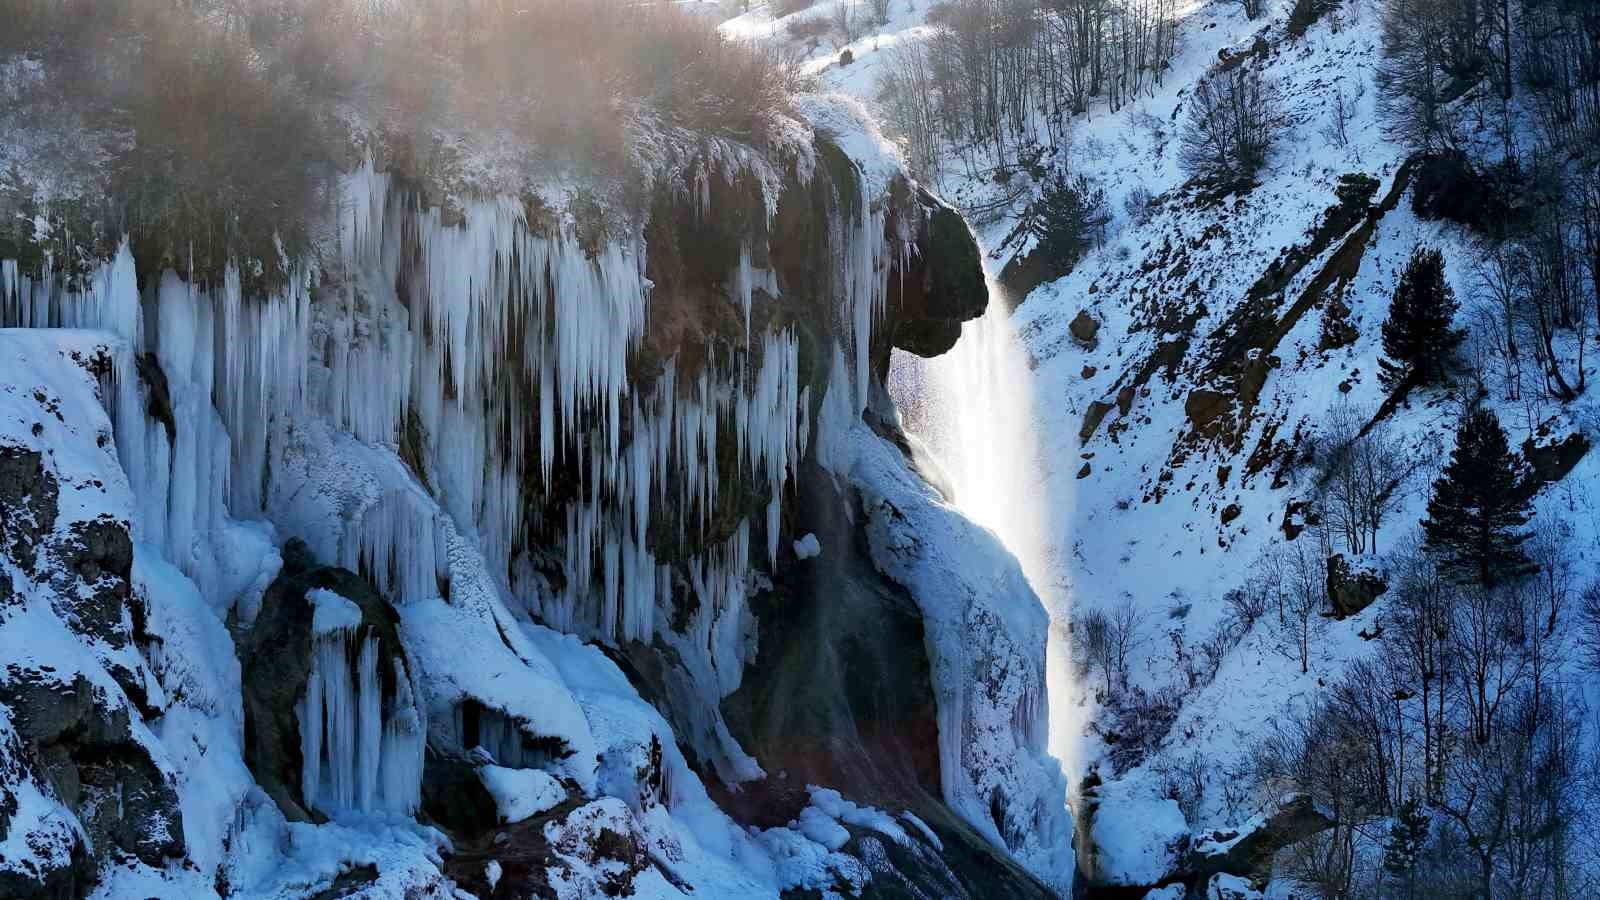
[1144, 431]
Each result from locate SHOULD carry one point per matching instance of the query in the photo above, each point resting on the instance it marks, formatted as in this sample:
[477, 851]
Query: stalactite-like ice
[355, 756]
[491, 356]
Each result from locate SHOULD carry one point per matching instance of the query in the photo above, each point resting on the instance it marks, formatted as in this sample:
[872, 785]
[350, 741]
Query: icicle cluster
[502, 335]
[494, 356]
[356, 755]
[234, 373]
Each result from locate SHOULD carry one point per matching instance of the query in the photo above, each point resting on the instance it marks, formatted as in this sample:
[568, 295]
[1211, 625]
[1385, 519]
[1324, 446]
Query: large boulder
[1551, 462]
[938, 286]
[1248, 851]
[1130, 839]
[1351, 588]
[1084, 328]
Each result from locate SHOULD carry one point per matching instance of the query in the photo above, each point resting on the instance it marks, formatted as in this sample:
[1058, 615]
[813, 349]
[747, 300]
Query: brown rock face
[1206, 410]
[1084, 327]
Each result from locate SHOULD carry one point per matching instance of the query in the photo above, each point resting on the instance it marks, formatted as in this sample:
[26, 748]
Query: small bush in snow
[1139, 205]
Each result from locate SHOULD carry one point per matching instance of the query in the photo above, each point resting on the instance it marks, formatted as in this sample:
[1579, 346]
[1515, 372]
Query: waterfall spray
[976, 411]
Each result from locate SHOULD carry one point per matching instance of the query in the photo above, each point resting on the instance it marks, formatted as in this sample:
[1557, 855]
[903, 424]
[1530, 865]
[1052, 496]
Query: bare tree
[1091, 640]
[1361, 480]
[1232, 120]
[1488, 640]
[1125, 633]
[1432, 54]
[1298, 577]
[1419, 636]
[1500, 281]
[848, 21]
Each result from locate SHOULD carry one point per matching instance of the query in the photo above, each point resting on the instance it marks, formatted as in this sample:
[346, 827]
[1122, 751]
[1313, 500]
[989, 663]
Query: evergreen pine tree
[1408, 835]
[1069, 215]
[1478, 505]
[1417, 338]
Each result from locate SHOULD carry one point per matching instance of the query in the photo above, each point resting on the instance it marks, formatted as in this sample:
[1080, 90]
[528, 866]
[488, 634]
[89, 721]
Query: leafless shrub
[1230, 128]
[1362, 478]
[1139, 205]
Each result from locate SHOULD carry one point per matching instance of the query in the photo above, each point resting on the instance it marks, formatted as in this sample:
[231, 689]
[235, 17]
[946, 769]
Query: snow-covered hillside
[1147, 432]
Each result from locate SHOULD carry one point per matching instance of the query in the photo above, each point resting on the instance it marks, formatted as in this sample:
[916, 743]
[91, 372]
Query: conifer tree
[1417, 338]
[1069, 216]
[1408, 836]
[1478, 506]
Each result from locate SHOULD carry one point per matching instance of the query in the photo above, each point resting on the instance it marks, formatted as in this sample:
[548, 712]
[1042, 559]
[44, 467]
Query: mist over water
[976, 411]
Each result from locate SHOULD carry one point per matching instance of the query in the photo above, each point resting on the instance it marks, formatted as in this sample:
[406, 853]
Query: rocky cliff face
[528, 546]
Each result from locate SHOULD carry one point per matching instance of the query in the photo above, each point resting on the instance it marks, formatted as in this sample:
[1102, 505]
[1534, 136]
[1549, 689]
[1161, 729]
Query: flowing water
[976, 411]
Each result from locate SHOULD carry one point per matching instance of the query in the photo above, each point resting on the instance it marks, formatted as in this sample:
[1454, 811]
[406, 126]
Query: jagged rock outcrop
[82, 780]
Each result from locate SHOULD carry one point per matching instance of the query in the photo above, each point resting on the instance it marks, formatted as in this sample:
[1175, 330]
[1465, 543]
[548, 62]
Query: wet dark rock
[1350, 590]
[453, 795]
[939, 286]
[159, 405]
[275, 657]
[594, 847]
[841, 695]
[1552, 462]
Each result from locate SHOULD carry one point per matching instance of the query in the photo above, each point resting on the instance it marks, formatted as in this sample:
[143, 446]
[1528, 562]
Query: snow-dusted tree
[1232, 121]
[1402, 850]
[1479, 506]
[1418, 338]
